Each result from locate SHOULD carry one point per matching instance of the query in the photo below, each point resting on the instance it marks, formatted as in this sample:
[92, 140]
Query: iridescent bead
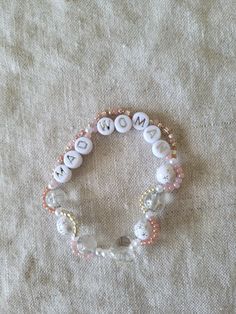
[55, 198]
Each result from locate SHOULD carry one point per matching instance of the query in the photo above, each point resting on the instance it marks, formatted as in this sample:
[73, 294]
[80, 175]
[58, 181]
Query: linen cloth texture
[63, 61]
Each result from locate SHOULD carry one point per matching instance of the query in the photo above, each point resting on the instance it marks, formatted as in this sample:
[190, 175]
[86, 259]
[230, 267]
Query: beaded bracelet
[169, 176]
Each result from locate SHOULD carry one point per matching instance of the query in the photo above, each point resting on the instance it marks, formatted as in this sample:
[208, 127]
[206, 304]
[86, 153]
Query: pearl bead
[161, 149]
[159, 188]
[150, 214]
[151, 134]
[165, 174]
[62, 174]
[55, 198]
[64, 225]
[87, 244]
[53, 184]
[73, 159]
[173, 161]
[143, 229]
[83, 145]
[123, 123]
[105, 126]
[140, 121]
[135, 243]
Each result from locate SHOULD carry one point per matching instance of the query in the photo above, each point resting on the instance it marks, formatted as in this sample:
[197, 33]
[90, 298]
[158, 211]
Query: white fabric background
[61, 62]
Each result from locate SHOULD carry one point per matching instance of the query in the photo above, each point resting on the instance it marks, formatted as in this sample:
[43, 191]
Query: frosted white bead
[165, 174]
[140, 121]
[64, 225]
[161, 149]
[83, 145]
[123, 123]
[73, 159]
[55, 198]
[152, 134]
[143, 229]
[105, 126]
[87, 244]
[62, 174]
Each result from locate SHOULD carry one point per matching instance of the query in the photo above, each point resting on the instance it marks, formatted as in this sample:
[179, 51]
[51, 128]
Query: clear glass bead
[154, 201]
[55, 198]
[123, 254]
[87, 244]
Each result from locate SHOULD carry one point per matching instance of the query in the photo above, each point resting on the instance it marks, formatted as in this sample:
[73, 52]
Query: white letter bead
[143, 229]
[105, 126]
[123, 123]
[165, 174]
[140, 121]
[73, 159]
[152, 134]
[62, 174]
[83, 145]
[161, 149]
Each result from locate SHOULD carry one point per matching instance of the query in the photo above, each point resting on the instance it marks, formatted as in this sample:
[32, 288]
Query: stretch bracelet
[169, 177]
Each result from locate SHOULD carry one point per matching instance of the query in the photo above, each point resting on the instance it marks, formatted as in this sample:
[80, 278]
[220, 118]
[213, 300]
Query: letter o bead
[105, 126]
[62, 174]
[140, 121]
[123, 123]
[83, 145]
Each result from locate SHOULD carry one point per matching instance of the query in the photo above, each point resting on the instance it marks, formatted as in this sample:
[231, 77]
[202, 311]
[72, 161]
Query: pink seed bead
[179, 170]
[180, 175]
[178, 180]
[176, 185]
[168, 157]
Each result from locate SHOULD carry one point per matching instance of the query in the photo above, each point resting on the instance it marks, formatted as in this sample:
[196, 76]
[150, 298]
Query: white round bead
[123, 123]
[165, 174]
[83, 145]
[62, 174]
[140, 121]
[64, 225]
[73, 159]
[143, 229]
[161, 149]
[105, 126]
[152, 134]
